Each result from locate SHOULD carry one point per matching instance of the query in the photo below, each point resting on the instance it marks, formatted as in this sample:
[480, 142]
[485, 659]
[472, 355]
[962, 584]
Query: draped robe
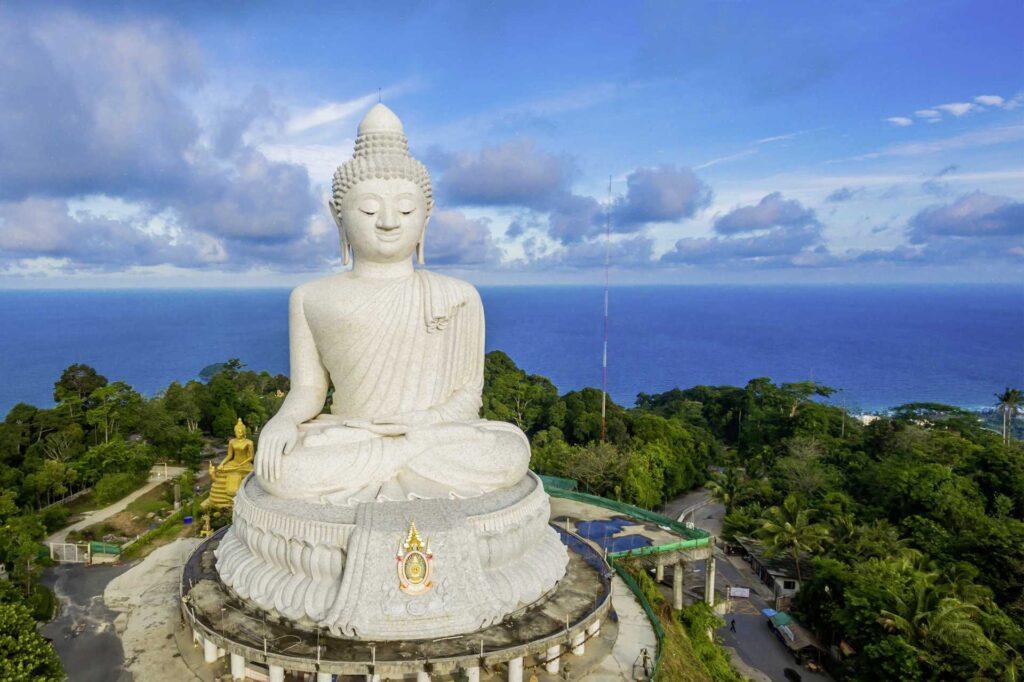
[416, 344]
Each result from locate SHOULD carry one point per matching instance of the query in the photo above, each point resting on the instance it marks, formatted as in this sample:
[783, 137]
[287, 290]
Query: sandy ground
[146, 597]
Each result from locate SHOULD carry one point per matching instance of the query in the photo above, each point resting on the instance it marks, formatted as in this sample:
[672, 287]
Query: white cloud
[340, 112]
[928, 114]
[900, 121]
[990, 100]
[957, 109]
[329, 113]
[977, 138]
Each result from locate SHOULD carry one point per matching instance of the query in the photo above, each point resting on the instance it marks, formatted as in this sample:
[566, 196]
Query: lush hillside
[914, 524]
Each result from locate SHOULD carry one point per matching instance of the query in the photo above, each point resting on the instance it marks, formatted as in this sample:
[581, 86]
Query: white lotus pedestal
[349, 570]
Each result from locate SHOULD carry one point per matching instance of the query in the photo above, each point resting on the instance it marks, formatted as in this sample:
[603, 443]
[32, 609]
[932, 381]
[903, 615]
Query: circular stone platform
[562, 621]
[334, 567]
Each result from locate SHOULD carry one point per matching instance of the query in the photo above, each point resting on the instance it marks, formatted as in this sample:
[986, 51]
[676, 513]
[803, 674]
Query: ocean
[881, 346]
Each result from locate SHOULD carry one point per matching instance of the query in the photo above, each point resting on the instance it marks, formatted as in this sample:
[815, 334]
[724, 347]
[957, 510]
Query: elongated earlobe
[346, 252]
[420, 256]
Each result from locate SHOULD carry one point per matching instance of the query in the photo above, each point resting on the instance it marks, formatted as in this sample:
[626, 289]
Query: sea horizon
[879, 345]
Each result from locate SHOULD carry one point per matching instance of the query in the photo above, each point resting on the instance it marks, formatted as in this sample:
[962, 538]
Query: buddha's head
[381, 199]
[239, 429]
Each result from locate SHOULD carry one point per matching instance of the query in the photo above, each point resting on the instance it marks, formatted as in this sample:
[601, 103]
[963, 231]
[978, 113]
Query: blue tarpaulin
[623, 543]
[605, 532]
[603, 528]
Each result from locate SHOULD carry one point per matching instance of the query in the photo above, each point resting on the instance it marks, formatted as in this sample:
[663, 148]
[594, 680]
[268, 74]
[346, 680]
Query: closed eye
[406, 206]
[369, 207]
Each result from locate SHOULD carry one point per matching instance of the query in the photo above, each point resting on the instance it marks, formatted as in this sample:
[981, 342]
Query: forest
[910, 527]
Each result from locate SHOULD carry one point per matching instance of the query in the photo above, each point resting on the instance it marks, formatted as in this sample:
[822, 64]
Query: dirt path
[158, 475]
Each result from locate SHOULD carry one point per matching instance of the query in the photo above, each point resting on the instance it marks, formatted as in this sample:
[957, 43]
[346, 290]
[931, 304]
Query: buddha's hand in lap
[400, 424]
[277, 439]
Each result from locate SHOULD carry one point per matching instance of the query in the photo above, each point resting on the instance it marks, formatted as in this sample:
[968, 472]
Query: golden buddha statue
[228, 476]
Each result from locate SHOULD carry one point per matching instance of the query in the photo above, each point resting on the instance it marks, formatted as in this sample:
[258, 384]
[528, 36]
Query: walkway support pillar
[677, 586]
[579, 643]
[709, 580]
[324, 677]
[473, 674]
[515, 670]
[276, 673]
[237, 667]
[594, 629]
[552, 656]
[659, 572]
[209, 651]
[422, 676]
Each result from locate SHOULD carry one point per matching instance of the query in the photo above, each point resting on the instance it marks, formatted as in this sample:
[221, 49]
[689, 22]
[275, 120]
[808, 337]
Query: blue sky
[142, 145]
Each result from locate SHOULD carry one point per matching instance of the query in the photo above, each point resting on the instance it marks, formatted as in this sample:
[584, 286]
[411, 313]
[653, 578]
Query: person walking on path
[732, 625]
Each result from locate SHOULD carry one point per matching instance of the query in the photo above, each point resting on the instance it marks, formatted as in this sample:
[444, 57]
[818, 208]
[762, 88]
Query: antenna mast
[604, 353]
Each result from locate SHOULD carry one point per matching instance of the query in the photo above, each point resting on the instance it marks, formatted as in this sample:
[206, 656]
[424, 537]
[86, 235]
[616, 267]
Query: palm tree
[1010, 402]
[790, 528]
[725, 487]
[929, 618]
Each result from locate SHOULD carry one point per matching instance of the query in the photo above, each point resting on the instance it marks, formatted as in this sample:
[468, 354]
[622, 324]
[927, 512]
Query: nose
[387, 217]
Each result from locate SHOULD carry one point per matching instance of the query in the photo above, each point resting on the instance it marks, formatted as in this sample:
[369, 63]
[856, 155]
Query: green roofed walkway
[621, 531]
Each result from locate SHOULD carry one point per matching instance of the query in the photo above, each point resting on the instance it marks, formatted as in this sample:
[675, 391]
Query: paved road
[709, 517]
[83, 634]
[760, 654]
[156, 477]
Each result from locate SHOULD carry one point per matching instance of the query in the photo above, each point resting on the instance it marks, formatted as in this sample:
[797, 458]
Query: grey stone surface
[239, 627]
[300, 566]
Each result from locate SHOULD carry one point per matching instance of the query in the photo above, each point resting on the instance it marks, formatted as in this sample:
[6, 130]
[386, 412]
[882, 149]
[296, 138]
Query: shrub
[24, 653]
[113, 487]
[55, 517]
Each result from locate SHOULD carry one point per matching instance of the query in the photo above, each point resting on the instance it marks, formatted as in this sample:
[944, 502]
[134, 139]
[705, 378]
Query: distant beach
[881, 346]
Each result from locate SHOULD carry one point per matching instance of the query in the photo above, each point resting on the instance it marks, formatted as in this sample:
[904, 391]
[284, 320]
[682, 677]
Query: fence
[70, 498]
[69, 552]
[107, 548]
[659, 631]
[695, 537]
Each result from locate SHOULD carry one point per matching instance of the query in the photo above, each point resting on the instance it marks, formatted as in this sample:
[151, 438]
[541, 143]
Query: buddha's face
[239, 430]
[384, 219]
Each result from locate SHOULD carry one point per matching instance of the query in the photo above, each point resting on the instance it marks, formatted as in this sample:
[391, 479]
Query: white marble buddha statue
[403, 347]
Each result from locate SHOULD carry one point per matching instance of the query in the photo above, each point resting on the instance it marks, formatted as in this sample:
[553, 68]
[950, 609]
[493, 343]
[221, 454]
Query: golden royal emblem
[414, 563]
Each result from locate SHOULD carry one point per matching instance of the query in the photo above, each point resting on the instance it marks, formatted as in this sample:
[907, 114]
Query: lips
[389, 235]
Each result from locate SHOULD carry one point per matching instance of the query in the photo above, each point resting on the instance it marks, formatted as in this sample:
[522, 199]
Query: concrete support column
[276, 673]
[324, 677]
[579, 643]
[552, 655]
[372, 677]
[237, 667]
[197, 638]
[515, 670]
[209, 651]
[677, 586]
[594, 629]
[472, 674]
[659, 572]
[709, 581]
[221, 653]
[422, 676]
